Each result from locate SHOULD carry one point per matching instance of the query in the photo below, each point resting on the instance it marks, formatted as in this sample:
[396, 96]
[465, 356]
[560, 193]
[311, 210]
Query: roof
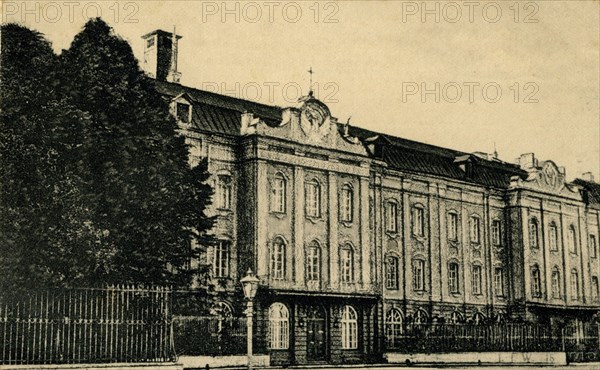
[162, 33]
[222, 114]
[219, 113]
[591, 193]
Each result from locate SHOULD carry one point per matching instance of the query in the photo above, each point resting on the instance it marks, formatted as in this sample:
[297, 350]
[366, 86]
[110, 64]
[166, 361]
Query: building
[355, 233]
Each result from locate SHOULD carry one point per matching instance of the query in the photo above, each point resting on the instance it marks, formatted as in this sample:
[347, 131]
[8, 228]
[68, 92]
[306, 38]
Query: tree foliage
[96, 184]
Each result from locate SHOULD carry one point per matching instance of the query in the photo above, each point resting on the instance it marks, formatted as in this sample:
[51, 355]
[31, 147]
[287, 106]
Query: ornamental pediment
[545, 176]
[308, 122]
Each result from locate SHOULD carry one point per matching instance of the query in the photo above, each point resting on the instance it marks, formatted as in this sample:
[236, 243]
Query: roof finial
[310, 91]
[495, 151]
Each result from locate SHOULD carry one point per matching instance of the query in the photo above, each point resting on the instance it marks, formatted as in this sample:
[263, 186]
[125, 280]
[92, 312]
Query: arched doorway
[316, 334]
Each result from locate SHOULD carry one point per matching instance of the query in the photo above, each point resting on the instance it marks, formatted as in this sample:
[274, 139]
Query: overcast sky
[373, 59]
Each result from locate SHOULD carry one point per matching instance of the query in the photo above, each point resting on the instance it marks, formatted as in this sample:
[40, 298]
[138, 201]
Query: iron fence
[210, 335]
[439, 338]
[114, 324]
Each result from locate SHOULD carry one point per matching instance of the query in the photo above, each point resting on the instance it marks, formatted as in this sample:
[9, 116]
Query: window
[391, 217]
[553, 237]
[453, 277]
[347, 264]
[278, 198]
[595, 293]
[574, 285]
[496, 233]
[349, 328]
[418, 275]
[478, 318]
[593, 246]
[150, 42]
[313, 199]
[393, 328]
[453, 226]
[346, 203]
[391, 274]
[279, 326]
[221, 260]
[418, 221]
[278, 259]
[572, 240]
[475, 229]
[421, 317]
[536, 285]
[183, 112]
[556, 283]
[499, 282]
[224, 192]
[313, 262]
[456, 317]
[533, 233]
[476, 279]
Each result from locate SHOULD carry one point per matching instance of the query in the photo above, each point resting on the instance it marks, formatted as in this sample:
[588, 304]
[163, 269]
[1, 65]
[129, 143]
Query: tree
[96, 185]
[138, 183]
[41, 239]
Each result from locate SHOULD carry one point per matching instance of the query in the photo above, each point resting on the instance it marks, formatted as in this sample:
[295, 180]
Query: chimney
[160, 55]
[588, 176]
[527, 161]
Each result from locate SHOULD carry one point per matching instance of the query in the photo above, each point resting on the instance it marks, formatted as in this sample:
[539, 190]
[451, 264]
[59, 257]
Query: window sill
[314, 219]
[279, 215]
[392, 234]
[346, 223]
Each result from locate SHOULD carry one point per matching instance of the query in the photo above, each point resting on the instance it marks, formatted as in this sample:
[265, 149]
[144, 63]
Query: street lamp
[249, 285]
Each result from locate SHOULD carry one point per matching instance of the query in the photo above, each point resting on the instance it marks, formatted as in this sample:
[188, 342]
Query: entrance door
[316, 334]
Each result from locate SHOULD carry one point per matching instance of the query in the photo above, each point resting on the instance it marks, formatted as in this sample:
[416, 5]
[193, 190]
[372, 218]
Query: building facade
[354, 233]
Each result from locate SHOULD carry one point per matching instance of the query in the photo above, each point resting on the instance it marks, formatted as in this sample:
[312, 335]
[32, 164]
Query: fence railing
[115, 324]
[521, 337]
[209, 335]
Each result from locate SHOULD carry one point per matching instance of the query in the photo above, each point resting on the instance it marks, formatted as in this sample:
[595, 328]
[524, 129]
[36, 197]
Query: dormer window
[184, 113]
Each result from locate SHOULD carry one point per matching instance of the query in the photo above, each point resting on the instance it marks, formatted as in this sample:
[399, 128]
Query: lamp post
[249, 286]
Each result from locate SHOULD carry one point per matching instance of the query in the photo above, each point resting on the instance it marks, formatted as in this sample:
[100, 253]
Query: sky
[518, 76]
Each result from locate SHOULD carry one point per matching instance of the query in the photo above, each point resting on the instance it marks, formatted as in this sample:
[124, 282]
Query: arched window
[346, 203]
[278, 195]
[496, 233]
[572, 240]
[476, 279]
[347, 263]
[533, 233]
[224, 191]
[391, 216]
[313, 199]
[536, 284]
[418, 270]
[222, 310]
[456, 317]
[278, 259]
[553, 236]
[349, 328]
[393, 328]
[593, 246]
[279, 326]
[574, 285]
[595, 292]
[221, 259]
[478, 318]
[418, 220]
[453, 280]
[556, 283]
[452, 226]
[499, 281]
[391, 273]
[313, 262]
[421, 317]
[475, 226]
